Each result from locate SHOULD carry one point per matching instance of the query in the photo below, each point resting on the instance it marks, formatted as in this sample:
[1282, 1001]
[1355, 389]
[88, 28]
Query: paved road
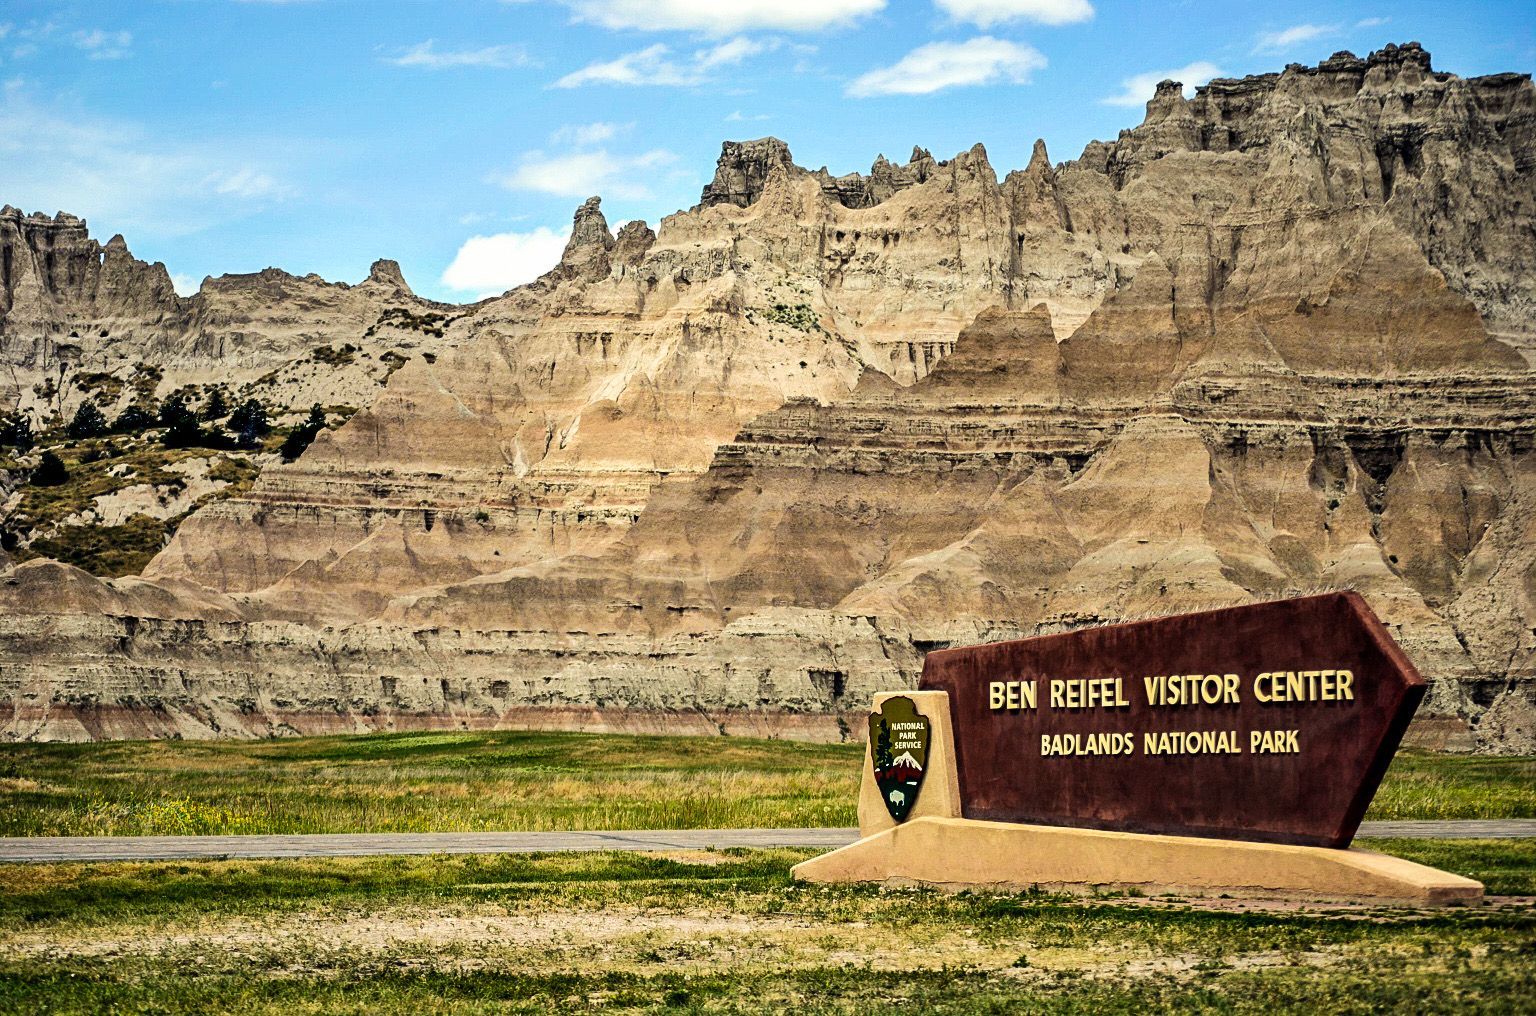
[154, 848]
[1470, 829]
[176, 848]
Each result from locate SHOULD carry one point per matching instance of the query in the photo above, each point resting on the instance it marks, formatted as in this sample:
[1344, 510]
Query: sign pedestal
[957, 853]
[936, 846]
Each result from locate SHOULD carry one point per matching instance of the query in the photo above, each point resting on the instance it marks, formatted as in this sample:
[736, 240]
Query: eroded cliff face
[743, 471]
[72, 308]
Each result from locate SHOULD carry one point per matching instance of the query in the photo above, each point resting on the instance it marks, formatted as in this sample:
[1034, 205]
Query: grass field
[506, 780]
[701, 931]
[718, 932]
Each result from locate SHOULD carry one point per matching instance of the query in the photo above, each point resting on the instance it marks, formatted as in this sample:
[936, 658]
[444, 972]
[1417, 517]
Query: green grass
[1424, 785]
[111, 551]
[511, 780]
[124, 549]
[1505, 867]
[692, 931]
[420, 782]
[709, 932]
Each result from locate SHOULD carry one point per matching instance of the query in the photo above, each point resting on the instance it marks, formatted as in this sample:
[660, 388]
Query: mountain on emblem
[898, 751]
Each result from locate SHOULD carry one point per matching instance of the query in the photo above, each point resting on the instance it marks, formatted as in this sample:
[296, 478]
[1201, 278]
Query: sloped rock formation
[72, 307]
[751, 465]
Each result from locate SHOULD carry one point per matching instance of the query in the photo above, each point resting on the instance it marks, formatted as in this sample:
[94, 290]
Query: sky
[458, 136]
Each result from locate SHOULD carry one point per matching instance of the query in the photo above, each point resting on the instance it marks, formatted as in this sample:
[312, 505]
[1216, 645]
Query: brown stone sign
[1273, 722]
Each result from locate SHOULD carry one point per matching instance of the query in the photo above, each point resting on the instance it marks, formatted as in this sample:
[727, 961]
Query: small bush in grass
[50, 472]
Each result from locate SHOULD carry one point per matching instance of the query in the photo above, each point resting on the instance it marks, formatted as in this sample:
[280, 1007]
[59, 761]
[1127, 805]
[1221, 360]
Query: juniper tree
[133, 420]
[301, 436]
[88, 422]
[249, 423]
[16, 432]
[215, 408]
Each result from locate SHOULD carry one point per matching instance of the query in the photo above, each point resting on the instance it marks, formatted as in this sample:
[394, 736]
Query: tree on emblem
[883, 745]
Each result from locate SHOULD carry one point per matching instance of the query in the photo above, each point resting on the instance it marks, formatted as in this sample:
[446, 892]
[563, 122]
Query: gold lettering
[1304, 686]
[995, 695]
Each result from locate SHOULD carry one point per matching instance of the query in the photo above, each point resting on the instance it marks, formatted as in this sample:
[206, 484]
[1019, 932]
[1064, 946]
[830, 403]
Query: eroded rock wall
[745, 469]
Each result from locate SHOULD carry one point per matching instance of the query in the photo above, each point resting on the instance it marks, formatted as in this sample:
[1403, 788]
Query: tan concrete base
[962, 853]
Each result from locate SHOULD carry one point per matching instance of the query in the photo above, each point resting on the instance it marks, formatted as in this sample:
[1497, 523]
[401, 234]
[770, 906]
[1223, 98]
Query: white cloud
[1271, 42]
[738, 117]
[129, 179]
[1137, 89]
[184, 284]
[103, 45]
[649, 66]
[247, 182]
[491, 265]
[584, 135]
[728, 53]
[426, 55]
[655, 65]
[979, 61]
[582, 174]
[722, 17]
[1371, 22]
[987, 13]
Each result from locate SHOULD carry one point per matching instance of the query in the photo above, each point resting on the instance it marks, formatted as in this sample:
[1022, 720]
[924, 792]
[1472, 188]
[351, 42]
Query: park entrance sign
[1270, 722]
[1226, 752]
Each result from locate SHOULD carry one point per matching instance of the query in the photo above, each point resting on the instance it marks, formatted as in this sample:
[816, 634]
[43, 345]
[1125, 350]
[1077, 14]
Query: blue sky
[457, 136]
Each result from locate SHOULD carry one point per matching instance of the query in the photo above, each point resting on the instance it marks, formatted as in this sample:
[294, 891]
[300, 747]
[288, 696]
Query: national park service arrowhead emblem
[898, 738]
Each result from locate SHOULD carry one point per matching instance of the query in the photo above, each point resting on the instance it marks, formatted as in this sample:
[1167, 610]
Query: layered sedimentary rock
[748, 467]
[72, 308]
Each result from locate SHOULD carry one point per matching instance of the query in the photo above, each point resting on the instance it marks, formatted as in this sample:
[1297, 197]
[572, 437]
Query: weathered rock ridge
[71, 306]
[741, 471]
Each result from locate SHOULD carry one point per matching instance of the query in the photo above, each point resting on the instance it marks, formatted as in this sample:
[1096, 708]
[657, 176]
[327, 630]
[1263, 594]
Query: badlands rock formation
[739, 473]
[70, 305]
